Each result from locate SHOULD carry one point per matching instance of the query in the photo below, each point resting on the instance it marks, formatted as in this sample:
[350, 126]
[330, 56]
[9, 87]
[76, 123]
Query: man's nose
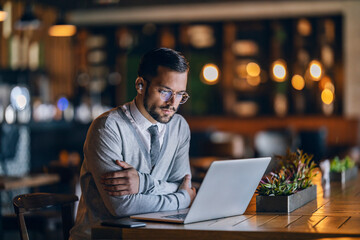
[172, 99]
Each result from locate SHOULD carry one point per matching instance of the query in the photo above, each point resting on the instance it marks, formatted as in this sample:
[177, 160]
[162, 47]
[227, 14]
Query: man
[136, 156]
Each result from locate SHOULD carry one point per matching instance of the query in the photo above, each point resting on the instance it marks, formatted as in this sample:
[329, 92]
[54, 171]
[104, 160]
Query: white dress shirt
[141, 124]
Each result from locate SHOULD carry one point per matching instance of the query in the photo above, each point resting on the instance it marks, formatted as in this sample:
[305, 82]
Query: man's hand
[123, 182]
[186, 186]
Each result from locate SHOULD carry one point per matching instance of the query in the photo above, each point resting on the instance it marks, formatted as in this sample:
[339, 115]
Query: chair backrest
[314, 142]
[274, 142]
[37, 201]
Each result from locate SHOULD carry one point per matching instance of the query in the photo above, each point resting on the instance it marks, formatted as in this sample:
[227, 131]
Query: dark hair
[161, 57]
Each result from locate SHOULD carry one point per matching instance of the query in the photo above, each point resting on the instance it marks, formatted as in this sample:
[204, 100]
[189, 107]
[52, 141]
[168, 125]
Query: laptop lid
[225, 191]
[227, 188]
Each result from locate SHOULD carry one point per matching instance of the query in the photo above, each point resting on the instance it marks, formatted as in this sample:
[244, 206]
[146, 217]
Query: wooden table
[335, 214]
[10, 183]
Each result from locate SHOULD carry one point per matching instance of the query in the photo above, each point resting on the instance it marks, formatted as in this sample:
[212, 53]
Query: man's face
[167, 79]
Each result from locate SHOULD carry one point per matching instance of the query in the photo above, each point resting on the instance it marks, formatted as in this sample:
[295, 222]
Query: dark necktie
[155, 144]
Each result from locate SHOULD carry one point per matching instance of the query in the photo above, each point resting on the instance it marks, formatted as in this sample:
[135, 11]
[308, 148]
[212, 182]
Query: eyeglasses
[166, 95]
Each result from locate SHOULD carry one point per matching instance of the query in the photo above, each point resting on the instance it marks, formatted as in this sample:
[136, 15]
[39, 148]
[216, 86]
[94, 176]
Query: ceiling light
[62, 29]
[3, 15]
[28, 21]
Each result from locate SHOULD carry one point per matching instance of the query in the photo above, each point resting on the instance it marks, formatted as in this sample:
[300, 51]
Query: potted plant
[342, 170]
[290, 186]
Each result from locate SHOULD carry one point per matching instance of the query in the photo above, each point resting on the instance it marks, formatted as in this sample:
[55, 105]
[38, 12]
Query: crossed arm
[126, 182]
[122, 182]
[101, 146]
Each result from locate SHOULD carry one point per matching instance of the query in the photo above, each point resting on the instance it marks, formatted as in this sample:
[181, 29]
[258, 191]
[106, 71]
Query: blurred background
[265, 75]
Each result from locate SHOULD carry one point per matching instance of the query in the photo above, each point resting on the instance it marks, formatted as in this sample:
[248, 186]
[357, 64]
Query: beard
[155, 111]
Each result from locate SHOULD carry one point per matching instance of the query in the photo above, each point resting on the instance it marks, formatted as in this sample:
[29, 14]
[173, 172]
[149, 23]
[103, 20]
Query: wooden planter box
[345, 175]
[285, 203]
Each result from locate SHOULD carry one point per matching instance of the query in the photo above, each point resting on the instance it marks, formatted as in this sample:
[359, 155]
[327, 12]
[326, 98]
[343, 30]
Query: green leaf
[296, 173]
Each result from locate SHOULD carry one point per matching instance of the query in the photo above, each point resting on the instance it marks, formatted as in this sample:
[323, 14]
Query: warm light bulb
[210, 73]
[327, 96]
[3, 15]
[62, 30]
[315, 70]
[279, 71]
[253, 69]
[304, 27]
[298, 82]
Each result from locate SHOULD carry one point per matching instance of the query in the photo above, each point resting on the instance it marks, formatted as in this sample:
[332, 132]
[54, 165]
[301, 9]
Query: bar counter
[334, 214]
[340, 130]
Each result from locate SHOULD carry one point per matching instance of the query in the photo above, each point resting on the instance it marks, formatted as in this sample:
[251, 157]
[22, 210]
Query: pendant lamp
[28, 21]
[62, 29]
[3, 15]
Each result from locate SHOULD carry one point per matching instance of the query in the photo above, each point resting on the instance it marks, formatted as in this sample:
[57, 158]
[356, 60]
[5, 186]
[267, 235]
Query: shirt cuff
[146, 183]
[183, 198]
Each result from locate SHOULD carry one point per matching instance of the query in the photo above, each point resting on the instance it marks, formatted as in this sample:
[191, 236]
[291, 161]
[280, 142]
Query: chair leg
[23, 231]
[67, 220]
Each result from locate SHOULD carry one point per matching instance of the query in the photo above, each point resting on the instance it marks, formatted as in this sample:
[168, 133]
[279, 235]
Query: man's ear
[139, 85]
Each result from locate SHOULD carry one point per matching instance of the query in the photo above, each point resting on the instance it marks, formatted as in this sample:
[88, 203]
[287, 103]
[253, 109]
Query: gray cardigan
[112, 137]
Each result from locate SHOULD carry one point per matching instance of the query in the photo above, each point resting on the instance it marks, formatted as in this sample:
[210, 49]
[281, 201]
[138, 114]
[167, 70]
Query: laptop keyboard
[176, 216]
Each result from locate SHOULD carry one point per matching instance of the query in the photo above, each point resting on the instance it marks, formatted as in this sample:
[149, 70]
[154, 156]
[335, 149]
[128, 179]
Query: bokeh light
[62, 104]
[253, 81]
[62, 30]
[298, 82]
[210, 73]
[19, 97]
[21, 101]
[327, 96]
[24, 116]
[304, 27]
[279, 71]
[10, 115]
[3, 15]
[253, 69]
[315, 70]
[324, 80]
[43, 112]
[330, 86]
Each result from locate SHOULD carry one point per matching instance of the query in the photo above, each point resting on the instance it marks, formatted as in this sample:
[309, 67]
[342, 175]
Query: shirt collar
[140, 120]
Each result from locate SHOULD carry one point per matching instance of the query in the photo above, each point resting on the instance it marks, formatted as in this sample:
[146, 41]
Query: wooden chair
[37, 201]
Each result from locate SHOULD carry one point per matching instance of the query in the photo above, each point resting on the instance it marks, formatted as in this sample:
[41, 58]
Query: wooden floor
[335, 214]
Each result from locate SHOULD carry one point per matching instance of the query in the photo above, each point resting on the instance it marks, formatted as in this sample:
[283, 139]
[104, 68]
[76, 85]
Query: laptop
[225, 191]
